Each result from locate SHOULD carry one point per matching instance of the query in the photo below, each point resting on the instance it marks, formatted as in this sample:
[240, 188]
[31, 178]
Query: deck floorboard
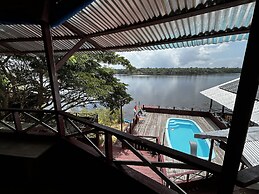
[154, 124]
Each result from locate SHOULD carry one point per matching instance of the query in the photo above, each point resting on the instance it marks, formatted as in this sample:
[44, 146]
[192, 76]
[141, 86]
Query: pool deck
[154, 124]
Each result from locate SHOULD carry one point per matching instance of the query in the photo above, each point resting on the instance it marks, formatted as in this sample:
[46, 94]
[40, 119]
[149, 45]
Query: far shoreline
[177, 71]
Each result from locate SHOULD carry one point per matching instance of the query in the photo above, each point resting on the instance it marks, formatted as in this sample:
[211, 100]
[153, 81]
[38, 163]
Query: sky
[229, 54]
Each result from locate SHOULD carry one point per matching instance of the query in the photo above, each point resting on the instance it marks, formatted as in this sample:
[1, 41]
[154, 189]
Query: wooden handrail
[191, 162]
[186, 158]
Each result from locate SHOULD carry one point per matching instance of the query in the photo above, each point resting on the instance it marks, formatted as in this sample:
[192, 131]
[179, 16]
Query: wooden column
[108, 147]
[47, 39]
[17, 121]
[121, 117]
[247, 89]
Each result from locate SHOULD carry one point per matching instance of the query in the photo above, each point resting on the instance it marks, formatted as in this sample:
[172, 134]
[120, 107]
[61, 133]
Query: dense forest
[177, 71]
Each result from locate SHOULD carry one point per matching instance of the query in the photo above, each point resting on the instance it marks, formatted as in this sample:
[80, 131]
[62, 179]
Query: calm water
[171, 91]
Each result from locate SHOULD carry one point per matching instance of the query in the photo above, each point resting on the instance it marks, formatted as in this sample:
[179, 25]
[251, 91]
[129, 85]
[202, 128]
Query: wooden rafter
[205, 35]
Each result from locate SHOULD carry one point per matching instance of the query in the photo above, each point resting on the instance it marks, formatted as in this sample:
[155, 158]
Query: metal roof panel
[137, 24]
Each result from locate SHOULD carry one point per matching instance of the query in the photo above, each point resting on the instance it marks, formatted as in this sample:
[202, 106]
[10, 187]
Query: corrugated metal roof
[251, 147]
[233, 86]
[130, 25]
[227, 98]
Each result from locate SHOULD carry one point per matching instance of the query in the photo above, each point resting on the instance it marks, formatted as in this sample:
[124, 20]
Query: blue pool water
[180, 132]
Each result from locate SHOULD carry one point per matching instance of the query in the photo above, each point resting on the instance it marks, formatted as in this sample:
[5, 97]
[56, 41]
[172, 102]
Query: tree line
[177, 71]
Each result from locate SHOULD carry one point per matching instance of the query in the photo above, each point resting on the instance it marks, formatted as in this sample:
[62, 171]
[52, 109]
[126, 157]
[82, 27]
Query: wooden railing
[191, 112]
[44, 123]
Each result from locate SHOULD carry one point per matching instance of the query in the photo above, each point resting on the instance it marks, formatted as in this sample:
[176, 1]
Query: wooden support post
[97, 139]
[121, 116]
[47, 39]
[17, 121]
[130, 128]
[108, 148]
[210, 154]
[246, 94]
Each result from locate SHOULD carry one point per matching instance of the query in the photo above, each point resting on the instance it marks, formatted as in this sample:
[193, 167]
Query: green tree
[83, 79]
[23, 81]
[91, 81]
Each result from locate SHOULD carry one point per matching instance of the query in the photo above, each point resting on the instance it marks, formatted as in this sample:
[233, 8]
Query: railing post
[121, 117]
[108, 147]
[17, 121]
[130, 128]
[210, 154]
[97, 139]
[211, 149]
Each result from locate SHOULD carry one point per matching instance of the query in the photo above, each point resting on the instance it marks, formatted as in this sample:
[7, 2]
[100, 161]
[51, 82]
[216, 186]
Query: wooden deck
[154, 124]
[126, 154]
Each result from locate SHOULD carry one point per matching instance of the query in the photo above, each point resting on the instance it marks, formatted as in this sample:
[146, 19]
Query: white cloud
[219, 55]
[159, 58]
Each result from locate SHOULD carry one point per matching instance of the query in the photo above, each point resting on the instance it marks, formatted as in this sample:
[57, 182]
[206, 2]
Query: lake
[182, 92]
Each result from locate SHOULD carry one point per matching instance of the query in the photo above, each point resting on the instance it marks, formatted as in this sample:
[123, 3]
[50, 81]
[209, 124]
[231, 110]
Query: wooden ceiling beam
[206, 35]
[62, 61]
[31, 39]
[82, 35]
[11, 49]
[182, 39]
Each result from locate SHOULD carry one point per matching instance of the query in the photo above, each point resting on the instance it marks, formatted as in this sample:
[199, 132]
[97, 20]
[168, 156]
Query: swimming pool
[179, 133]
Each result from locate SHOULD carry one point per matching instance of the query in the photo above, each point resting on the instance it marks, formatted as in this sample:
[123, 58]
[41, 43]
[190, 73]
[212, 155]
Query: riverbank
[178, 71]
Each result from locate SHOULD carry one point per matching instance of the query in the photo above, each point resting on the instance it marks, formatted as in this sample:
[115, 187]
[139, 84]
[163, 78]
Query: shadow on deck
[35, 164]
